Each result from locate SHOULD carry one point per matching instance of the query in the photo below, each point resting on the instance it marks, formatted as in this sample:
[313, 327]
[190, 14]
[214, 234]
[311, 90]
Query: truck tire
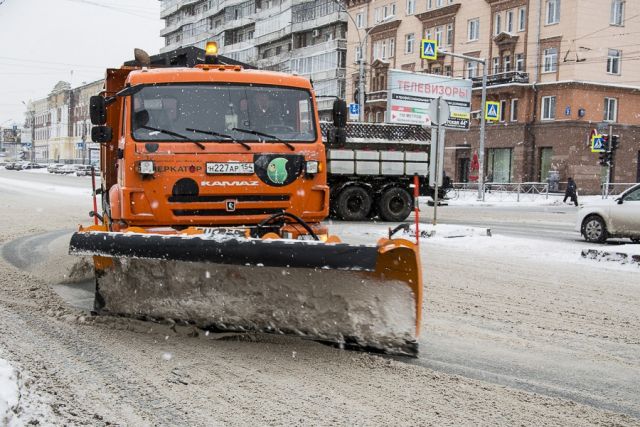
[395, 204]
[353, 204]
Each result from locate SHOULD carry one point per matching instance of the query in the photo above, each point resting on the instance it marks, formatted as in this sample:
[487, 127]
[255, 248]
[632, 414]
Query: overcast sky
[45, 41]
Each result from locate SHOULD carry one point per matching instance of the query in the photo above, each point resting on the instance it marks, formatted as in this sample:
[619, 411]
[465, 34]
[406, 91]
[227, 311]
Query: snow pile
[446, 231]
[9, 392]
[627, 254]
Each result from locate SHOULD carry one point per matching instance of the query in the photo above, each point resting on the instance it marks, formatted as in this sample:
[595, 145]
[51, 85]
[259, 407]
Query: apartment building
[292, 36]
[61, 124]
[559, 68]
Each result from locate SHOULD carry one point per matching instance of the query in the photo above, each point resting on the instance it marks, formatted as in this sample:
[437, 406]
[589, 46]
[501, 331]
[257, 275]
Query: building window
[429, 4]
[520, 62]
[499, 165]
[610, 109]
[522, 19]
[509, 22]
[503, 111]
[498, 23]
[617, 12]
[411, 7]
[474, 29]
[613, 61]
[550, 60]
[548, 107]
[449, 34]
[409, 41]
[439, 31]
[514, 110]
[360, 20]
[553, 12]
[496, 65]
[507, 63]
[472, 69]
[448, 71]
[546, 154]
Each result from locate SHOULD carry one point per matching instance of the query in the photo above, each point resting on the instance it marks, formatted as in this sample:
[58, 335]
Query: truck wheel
[353, 204]
[395, 204]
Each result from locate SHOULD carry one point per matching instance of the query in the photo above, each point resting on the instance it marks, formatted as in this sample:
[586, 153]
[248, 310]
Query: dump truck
[213, 192]
[371, 170]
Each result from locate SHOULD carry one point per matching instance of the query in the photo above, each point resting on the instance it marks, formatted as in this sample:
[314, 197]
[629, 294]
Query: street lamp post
[363, 47]
[483, 121]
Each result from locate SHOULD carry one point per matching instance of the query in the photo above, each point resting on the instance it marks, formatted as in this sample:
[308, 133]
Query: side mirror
[619, 200]
[98, 110]
[101, 134]
[340, 113]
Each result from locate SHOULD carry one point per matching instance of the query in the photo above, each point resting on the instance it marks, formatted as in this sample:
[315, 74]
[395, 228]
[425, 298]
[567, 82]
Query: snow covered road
[497, 315]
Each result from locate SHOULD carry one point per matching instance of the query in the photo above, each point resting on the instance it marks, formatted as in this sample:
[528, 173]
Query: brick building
[559, 68]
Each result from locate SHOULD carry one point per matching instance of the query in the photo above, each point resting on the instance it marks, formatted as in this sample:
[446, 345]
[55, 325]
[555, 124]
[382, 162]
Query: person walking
[571, 192]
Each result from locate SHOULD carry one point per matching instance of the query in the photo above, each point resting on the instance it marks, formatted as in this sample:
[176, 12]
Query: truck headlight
[145, 167]
[312, 166]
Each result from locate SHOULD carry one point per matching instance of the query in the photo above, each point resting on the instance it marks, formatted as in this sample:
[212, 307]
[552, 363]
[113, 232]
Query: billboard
[410, 94]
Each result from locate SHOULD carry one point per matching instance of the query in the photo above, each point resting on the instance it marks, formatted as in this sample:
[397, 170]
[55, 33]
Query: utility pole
[483, 121]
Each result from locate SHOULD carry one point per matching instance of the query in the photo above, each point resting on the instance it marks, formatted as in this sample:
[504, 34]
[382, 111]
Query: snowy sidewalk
[9, 393]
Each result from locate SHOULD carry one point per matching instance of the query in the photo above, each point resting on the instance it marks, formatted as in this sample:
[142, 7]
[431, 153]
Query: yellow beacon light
[211, 53]
[211, 48]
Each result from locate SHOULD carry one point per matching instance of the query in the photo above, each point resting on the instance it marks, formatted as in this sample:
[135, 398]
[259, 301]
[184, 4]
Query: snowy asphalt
[475, 326]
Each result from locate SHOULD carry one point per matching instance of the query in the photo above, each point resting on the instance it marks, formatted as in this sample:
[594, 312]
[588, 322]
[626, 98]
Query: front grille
[223, 212]
[239, 198]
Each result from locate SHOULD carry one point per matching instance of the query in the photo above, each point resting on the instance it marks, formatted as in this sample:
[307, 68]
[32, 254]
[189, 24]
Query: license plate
[230, 168]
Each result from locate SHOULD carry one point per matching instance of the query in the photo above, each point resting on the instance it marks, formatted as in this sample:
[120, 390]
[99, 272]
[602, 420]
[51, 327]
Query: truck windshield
[212, 112]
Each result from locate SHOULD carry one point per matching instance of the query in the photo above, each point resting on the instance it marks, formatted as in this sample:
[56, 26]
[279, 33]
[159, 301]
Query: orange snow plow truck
[213, 191]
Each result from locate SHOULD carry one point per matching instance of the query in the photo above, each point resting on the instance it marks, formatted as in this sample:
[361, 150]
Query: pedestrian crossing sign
[597, 143]
[429, 49]
[492, 111]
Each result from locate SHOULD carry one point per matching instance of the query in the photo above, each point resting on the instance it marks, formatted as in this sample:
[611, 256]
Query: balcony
[378, 96]
[502, 78]
[328, 46]
[319, 21]
[174, 6]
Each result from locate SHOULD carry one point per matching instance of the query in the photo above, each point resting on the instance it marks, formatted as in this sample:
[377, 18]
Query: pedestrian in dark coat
[571, 192]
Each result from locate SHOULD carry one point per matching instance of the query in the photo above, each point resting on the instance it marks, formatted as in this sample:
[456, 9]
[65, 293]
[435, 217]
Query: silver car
[619, 217]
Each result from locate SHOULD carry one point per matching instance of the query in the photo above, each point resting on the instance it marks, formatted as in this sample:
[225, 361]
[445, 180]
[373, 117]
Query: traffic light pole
[608, 177]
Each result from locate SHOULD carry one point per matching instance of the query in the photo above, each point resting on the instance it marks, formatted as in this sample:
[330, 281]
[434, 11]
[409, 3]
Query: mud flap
[354, 296]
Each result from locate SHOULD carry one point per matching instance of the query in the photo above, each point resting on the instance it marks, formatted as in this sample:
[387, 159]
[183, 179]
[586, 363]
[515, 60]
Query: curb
[618, 257]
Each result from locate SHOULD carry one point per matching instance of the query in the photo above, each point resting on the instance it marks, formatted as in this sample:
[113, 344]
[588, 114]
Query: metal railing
[614, 189]
[502, 191]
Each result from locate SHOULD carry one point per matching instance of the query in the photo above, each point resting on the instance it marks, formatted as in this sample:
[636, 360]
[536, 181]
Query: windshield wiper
[266, 135]
[221, 135]
[177, 135]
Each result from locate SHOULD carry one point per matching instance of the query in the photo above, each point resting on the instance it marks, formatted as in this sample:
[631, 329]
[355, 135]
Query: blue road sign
[492, 111]
[354, 109]
[429, 49]
[597, 144]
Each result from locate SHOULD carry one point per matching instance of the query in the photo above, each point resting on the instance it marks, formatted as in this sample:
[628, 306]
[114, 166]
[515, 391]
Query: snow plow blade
[356, 296]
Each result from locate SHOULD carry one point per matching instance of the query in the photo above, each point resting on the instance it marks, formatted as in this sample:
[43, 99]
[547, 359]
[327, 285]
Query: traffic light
[615, 141]
[605, 156]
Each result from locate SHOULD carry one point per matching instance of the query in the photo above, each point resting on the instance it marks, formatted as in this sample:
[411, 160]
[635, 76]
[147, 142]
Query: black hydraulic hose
[291, 216]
